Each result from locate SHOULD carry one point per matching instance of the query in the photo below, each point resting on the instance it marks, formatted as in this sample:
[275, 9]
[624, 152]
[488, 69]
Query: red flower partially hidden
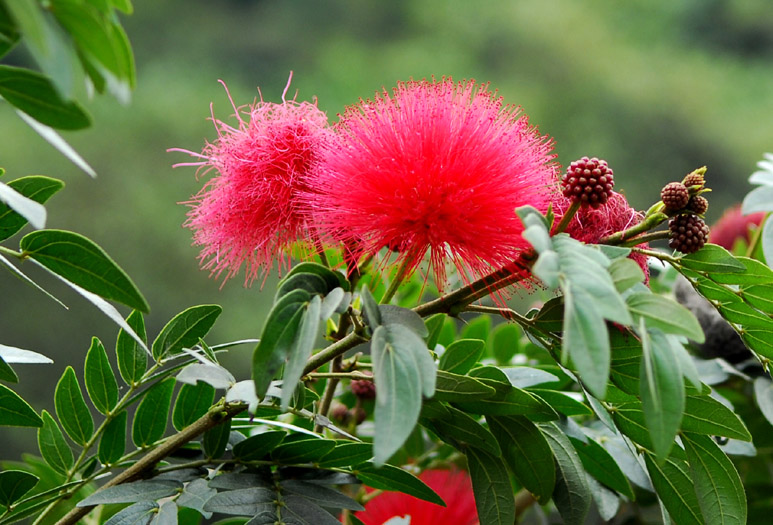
[453, 486]
[590, 226]
[733, 226]
[435, 166]
[249, 212]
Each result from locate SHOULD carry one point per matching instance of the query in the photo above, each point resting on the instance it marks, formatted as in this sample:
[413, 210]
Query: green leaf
[705, 415]
[491, 486]
[244, 502]
[527, 453]
[434, 325]
[167, 514]
[35, 187]
[572, 495]
[755, 272]
[562, 402]
[345, 454]
[332, 303]
[195, 495]
[151, 417]
[505, 342]
[9, 33]
[477, 328]
[215, 440]
[625, 273]
[309, 282]
[462, 355]
[112, 444]
[80, 261]
[675, 489]
[132, 358]
[277, 338]
[403, 370]
[388, 477]
[665, 314]
[143, 490]
[255, 447]
[370, 308]
[193, 401]
[53, 446]
[99, 378]
[602, 466]
[14, 484]
[527, 377]
[453, 387]
[759, 199]
[461, 430]
[391, 314]
[304, 450]
[586, 340]
[711, 259]
[301, 349]
[763, 395]
[332, 278]
[185, 329]
[508, 401]
[719, 489]
[15, 412]
[662, 390]
[71, 408]
[760, 296]
[35, 95]
[7, 373]
[319, 495]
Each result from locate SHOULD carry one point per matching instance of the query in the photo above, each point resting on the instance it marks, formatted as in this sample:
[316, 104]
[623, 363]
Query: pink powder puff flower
[590, 226]
[249, 212]
[453, 486]
[733, 226]
[434, 166]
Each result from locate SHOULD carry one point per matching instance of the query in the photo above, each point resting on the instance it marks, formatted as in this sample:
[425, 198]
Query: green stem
[402, 271]
[647, 237]
[339, 375]
[650, 221]
[757, 237]
[12, 253]
[333, 351]
[330, 390]
[568, 216]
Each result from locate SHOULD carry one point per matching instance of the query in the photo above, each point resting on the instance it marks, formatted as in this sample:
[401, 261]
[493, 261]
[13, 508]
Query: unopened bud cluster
[589, 181]
[683, 202]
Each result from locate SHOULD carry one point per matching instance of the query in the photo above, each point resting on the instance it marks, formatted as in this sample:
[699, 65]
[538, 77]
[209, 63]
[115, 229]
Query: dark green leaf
[185, 329]
[477, 328]
[309, 282]
[586, 340]
[434, 325]
[760, 296]
[370, 308]
[35, 95]
[196, 495]
[332, 303]
[151, 417]
[346, 454]
[277, 339]
[572, 494]
[527, 453]
[132, 358]
[754, 273]
[7, 373]
[9, 33]
[193, 401]
[717, 484]
[53, 446]
[255, 447]
[80, 261]
[491, 486]
[403, 371]
[215, 440]
[712, 259]
[15, 412]
[759, 341]
[462, 355]
[167, 514]
[301, 349]
[388, 477]
[625, 273]
[71, 408]
[600, 464]
[509, 401]
[705, 415]
[662, 390]
[665, 314]
[320, 495]
[112, 444]
[14, 484]
[505, 342]
[676, 490]
[240, 480]
[302, 451]
[332, 278]
[462, 430]
[35, 187]
[143, 490]
[562, 402]
[302, 511]
[454, 387]
[99, 378]
[244, 502]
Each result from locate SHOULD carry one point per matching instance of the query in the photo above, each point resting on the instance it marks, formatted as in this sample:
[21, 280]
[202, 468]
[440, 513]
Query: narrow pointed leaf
[215, 440]
[99, 378]
[462, 355]
[665, 314]
[53, 447]
[600, 464]
[36, 188]
[706, 415]
[143, 490]
[185, 329]
[71, 408]
[388, 477]
[112, 444]
[151, 416]
[586, 340]
[572, 494]
[193, 401]
[56, 140]
[15, 412]
[491, 486]
[14, 484]
[301, 350]
[132, 358]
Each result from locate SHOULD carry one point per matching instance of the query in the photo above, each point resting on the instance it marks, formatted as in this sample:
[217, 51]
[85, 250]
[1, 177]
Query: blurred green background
[657, 88]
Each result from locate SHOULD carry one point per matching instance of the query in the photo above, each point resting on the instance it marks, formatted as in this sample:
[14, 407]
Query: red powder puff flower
[438, 166]
[590, 226]
[733, 226]
[249, 213]
[453, 486]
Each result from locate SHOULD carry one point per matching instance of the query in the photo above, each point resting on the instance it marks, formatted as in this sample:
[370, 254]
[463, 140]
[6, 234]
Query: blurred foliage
[656, 88]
